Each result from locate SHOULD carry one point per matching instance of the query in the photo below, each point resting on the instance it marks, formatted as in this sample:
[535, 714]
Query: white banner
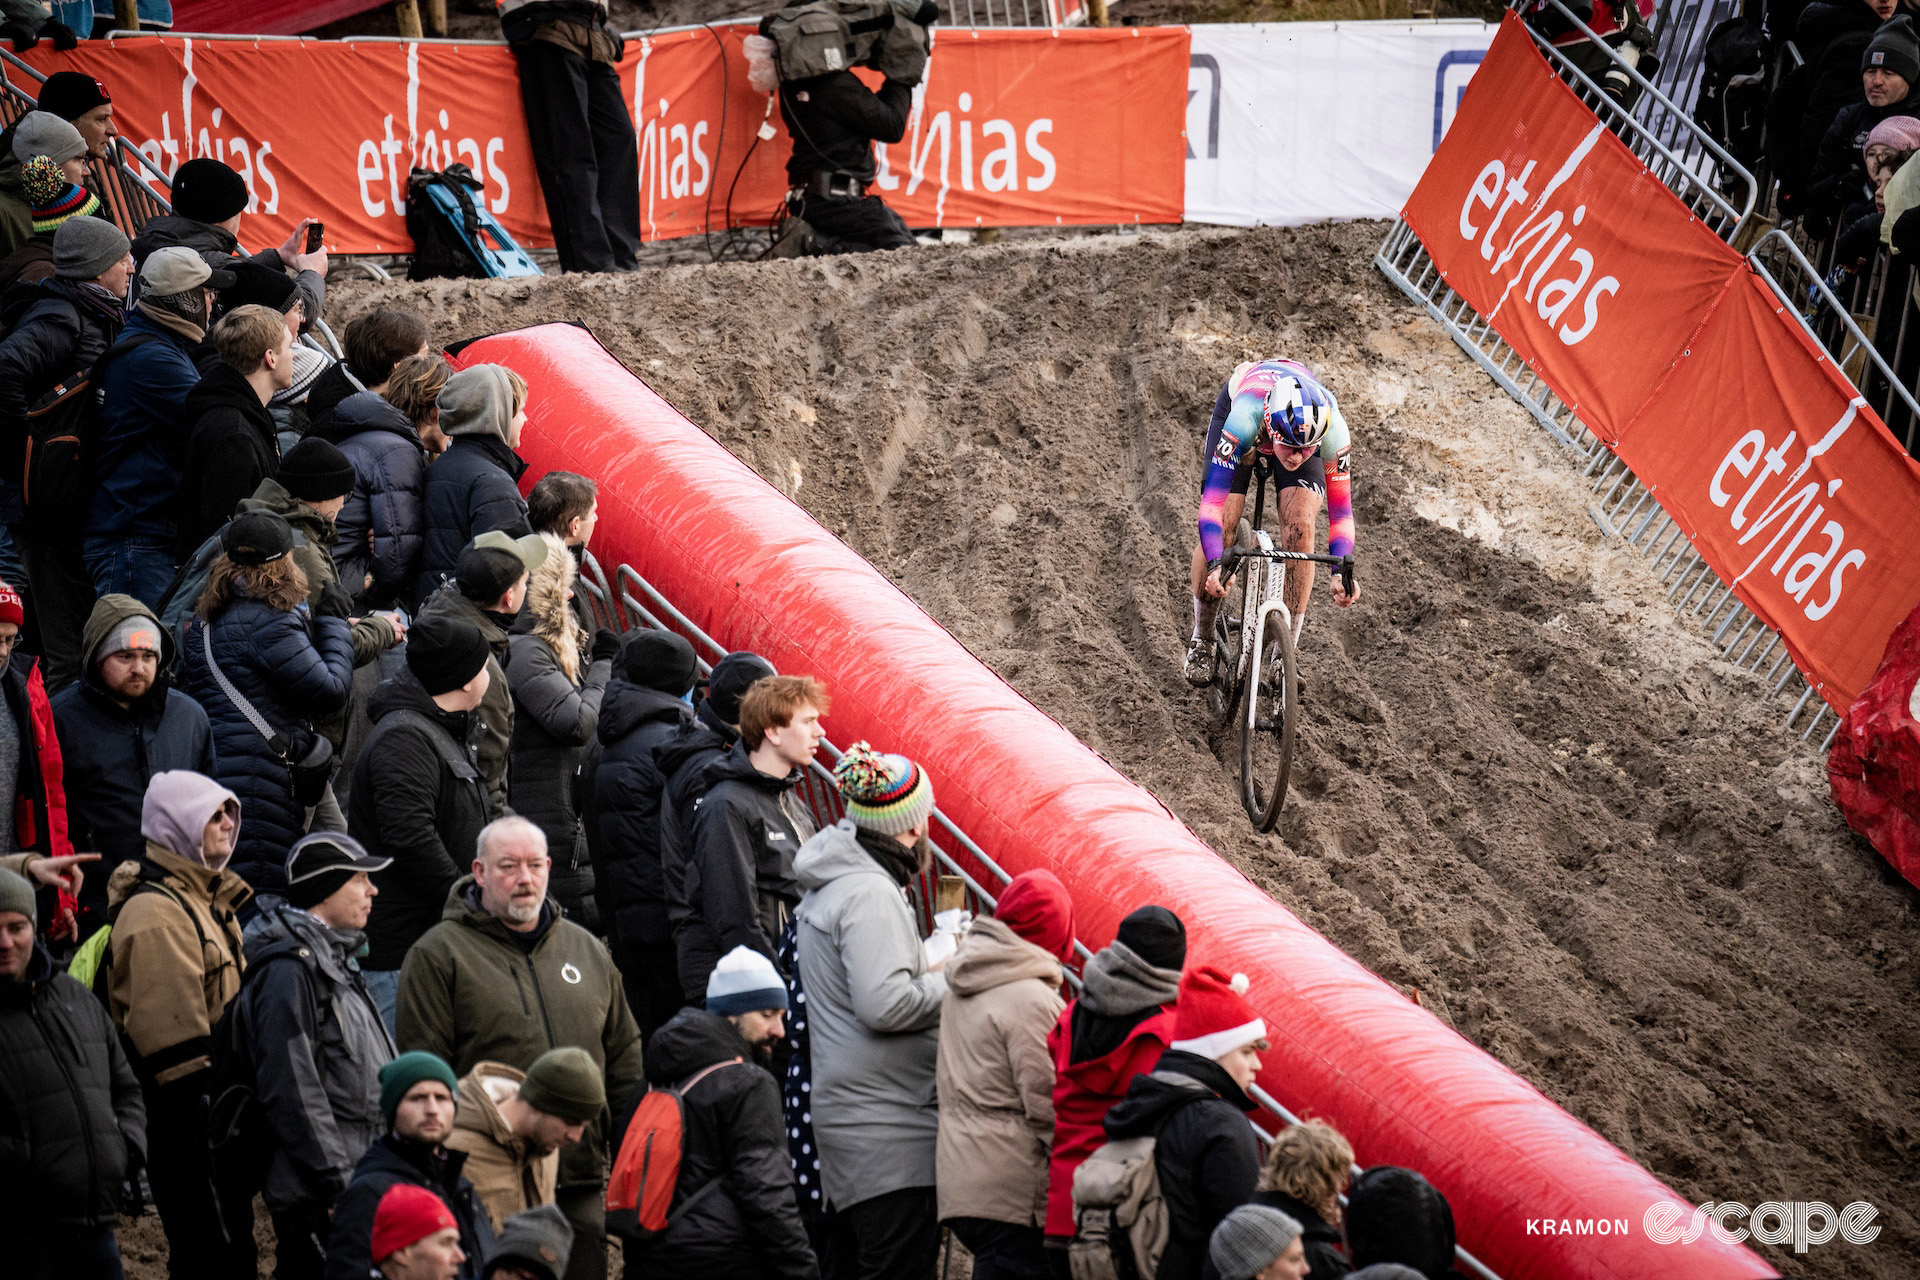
[1291, 122]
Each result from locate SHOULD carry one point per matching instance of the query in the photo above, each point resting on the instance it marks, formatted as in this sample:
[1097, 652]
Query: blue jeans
[139, 567]
[384, 986]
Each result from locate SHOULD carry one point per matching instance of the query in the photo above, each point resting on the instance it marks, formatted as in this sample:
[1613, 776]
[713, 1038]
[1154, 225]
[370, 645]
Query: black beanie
[316, 471]
[445, 653]
[1894, 48]
[732, 676]
[660, 660]
[71, 94]
[256, 284]
[207, 191]
[1156, 935]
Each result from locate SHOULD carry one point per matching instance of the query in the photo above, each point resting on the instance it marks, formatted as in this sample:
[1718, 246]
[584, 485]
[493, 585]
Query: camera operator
[834, 120]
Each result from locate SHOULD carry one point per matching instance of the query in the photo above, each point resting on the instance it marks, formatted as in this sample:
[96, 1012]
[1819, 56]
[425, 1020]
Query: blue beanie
[744, 982]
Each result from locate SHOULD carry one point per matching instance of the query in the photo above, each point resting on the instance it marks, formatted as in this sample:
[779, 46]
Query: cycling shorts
[1311, 475]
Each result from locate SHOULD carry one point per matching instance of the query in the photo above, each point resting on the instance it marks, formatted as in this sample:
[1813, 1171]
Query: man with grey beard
[505, 977]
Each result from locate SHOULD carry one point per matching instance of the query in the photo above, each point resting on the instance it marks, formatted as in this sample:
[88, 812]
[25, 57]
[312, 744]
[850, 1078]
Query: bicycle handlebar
[1230, 561]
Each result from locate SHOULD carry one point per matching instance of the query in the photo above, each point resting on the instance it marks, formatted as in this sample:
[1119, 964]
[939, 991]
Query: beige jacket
[174, 970]
[996, 1078]
[505, 1174]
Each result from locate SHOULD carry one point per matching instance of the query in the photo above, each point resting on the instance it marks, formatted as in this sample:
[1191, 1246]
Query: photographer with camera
[834, 119]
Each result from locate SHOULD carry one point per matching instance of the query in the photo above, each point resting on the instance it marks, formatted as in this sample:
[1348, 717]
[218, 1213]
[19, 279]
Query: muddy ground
[1523, 789]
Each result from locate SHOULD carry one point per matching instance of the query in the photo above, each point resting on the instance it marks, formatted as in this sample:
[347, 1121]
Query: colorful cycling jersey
[1236, 434]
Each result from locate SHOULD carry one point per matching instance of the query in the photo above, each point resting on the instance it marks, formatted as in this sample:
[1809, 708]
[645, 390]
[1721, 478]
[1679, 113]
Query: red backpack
[647, 1170]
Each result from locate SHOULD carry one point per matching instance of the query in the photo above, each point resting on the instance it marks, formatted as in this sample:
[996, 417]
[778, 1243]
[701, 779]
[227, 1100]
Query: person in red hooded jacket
[1117, 1029]
[33, 799]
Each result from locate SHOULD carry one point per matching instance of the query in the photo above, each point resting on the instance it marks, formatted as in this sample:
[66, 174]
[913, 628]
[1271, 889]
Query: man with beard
[505, 977]
[737, 1218]
[512, 1126]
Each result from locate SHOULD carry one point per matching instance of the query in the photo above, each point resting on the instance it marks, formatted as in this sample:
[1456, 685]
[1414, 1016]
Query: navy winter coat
[291, 667]
[390, 481]
[472, 489]
[623, 831]
[142, 435]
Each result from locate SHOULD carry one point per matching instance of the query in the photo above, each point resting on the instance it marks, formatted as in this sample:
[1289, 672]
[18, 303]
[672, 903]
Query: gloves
[22, 38]
[334, 602]
[606, 645]
[64, 38]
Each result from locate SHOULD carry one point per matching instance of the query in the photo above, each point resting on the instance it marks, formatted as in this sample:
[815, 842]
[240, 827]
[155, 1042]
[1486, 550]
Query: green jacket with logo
[472, 992]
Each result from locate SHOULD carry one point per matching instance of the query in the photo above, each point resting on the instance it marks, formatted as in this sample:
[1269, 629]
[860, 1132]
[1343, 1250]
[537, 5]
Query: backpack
[454, 236]
[56, 475]
[647, 1171]
[825, 36]
[1732, 105]
[1121, 1219]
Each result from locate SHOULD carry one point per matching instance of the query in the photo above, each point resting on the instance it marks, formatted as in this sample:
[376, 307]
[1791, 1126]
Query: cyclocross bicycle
[1255, 684]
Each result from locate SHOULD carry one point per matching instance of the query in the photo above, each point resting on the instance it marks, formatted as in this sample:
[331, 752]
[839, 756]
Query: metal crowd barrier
[1682, 28]
[629, 601]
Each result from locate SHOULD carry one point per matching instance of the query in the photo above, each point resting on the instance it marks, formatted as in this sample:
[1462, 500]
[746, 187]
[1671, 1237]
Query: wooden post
[436, 17]
[1097, 14]
[407, 14]
[951, 894]
[126, 16]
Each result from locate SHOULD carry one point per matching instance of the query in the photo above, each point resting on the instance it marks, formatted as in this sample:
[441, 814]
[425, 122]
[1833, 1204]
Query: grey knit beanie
[1248, 1240]
[87, 247]
[41, 133]
[16, 894]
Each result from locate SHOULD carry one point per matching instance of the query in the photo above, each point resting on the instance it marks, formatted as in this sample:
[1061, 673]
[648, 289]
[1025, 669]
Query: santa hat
[1213, 1018]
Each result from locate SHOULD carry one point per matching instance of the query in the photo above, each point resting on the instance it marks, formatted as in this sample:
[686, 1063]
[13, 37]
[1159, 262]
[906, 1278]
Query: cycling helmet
[1298, 411]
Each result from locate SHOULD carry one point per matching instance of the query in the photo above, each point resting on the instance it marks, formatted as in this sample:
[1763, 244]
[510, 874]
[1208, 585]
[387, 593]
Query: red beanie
[1213, 1019]
[1036, 907]
[407, 1215]
[11, 609]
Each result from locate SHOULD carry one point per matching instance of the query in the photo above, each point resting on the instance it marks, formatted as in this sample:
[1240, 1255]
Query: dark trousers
[897, 1234]
[65, 1253]
[586, 1208]
[60, 596]
[844, 225]
[1001, 1250]
[585, 153]
[300, 1242]
[209, 1223]
[650, 972]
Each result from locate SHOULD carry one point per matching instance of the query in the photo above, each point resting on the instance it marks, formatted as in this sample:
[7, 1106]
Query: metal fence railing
[629, 601]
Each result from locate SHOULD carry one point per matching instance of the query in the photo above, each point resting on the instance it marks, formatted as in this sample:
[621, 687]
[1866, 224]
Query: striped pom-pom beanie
[53, 198]
[885, 793]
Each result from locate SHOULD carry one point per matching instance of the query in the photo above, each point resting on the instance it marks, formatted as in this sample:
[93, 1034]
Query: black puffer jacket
[1321, 1241]
[292, 667]
[71, 1118]
[747, 1226]
[1206, 1155]
[317, 1044]
[623, 829]
[383, 527]
[231, 447]
[1839, 178]
[394, 1160]
[739, 888]
[53, 330]
[473, 488]
[1396, 1215]
[416, 797]
[1831, 37]
[682, 760]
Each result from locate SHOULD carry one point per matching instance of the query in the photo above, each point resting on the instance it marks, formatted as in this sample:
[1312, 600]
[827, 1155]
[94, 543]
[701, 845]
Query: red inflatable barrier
[1535, 1193]
[1873, 770]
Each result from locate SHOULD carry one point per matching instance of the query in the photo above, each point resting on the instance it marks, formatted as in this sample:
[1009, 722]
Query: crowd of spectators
[350, 864]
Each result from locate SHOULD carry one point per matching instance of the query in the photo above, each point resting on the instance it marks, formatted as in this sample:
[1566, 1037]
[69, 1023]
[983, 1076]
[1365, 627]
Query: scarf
[1120, 992]
[896, 859]
[171, 321]
[92, 295]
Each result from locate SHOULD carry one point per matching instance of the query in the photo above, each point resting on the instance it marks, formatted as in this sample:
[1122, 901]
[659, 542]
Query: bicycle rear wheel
[1223, 695]
[1266, 726]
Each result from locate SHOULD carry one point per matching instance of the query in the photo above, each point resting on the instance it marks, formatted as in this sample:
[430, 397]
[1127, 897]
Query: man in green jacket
[528, 980]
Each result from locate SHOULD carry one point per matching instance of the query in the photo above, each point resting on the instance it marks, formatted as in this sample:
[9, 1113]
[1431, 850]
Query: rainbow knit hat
[885, 793]
[53, 198]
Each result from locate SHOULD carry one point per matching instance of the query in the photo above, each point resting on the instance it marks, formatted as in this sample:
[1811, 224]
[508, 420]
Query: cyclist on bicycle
[1279, 409]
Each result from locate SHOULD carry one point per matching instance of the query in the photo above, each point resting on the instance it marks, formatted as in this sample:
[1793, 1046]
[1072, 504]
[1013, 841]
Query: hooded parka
[507, 1174]
[995, 1077]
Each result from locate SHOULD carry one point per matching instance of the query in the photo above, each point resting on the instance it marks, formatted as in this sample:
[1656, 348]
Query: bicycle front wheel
[1266, 726]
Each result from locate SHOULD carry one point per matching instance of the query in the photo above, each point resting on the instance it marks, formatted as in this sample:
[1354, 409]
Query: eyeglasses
[7, 642]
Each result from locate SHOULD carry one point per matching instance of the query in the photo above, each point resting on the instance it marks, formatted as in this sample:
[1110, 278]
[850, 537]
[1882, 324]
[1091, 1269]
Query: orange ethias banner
[1011, 127]
[1682, 358]
[1555, 233]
